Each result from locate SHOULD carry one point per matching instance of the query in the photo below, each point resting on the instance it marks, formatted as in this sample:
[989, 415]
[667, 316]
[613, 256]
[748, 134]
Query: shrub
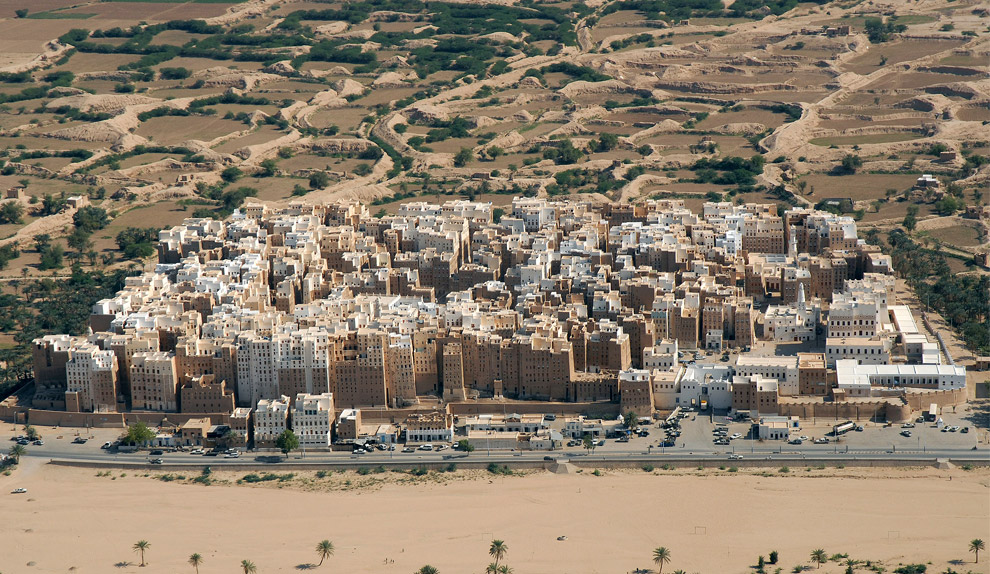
[648, 468]
[784, 470]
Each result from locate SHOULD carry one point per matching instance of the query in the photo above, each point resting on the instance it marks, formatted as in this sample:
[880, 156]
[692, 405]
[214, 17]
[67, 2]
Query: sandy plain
[714, 522]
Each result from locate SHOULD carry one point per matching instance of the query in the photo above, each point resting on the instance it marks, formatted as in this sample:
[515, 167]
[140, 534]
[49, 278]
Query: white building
[851, 376]
[854, 317]
[271, 418]
[784, 369]
[704, 382]
[661, 356]
[789, 323]
[866, 351]
[312, 419]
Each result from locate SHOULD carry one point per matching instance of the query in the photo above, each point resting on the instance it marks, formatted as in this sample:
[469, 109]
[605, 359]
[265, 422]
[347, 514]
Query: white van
[426, 447]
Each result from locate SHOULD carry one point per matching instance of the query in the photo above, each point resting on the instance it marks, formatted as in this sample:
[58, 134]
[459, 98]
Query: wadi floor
[713, 522]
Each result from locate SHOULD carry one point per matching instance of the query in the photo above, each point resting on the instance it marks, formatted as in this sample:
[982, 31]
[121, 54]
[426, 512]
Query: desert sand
[712, 522]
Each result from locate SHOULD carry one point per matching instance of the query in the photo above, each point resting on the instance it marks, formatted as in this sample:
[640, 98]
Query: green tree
[16, 452]
[51, 205]
[268, 168]
[79, 240]
[492, 568]
[21, 12]
[427, 570]
[819, 557]
[11, 212]
[248, 567]
[504, 569]
[497, 550]
[465, 446]
[90, 218]
[774, 556]
[287, 442]
[31, 432]
[231, 174]
[661, 556]
[195, 560]
[138, 434]
[463, 157]
[911, 219]
[42, 241]
[588, 443]
[318, 180]
[975, 546]
[850, 163]
[606, 142]
[140, 546]
[632, 421]
[51, 258]
[325, 550]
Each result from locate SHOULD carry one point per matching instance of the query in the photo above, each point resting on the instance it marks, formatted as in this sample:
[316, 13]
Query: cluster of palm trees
[498, 550]
[324, 549]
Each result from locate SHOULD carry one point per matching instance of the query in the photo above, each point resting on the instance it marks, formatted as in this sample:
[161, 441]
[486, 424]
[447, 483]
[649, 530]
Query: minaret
[800, 300]
[792, 251]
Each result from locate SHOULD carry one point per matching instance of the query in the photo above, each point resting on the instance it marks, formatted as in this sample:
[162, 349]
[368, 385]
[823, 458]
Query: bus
[932, 415]
[843, 428]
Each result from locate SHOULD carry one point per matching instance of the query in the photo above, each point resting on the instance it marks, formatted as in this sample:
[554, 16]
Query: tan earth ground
[713, 522]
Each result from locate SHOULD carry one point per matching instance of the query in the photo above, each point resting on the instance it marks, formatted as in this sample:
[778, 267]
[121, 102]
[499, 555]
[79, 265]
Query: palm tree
[492, 568]
[661, 556]
[427, 570]
[325, 550]
[195, 560]
[819, 557]
[141, 546]
[975, 546]
[17, 451]
[497, 550]
[504, 569]
[249, 567]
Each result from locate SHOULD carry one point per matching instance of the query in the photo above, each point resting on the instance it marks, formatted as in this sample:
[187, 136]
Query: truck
[843, 428]
[704, 404]
[932, 414]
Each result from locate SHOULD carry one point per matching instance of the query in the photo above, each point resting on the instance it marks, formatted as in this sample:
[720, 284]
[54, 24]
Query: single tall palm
[249, 567]
[141, 546]
[975, 546]
[17, 451]
[819, 556]
[661, 556]
[325, 550]
[195, 560]
[497, 550]
[427, 570]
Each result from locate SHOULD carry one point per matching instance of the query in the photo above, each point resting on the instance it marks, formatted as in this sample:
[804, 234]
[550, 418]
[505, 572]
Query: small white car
[735, 436]
[19, 491]
[735, 457]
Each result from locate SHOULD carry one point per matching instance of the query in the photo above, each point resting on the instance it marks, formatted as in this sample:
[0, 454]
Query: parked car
[23, 441]
[859, 428]
[157, 461]
[795, 441]
[735, 435]
[905, 433]
[823, 440]
[735, 457]
[106, 445]
[157, 452]
[907, 426]
[197, 451]
[407, 449]
[232, 455]
[802, 437]
[39, 442]
[426, 447]
[79, 440]
[964, 430]
[19, 491]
